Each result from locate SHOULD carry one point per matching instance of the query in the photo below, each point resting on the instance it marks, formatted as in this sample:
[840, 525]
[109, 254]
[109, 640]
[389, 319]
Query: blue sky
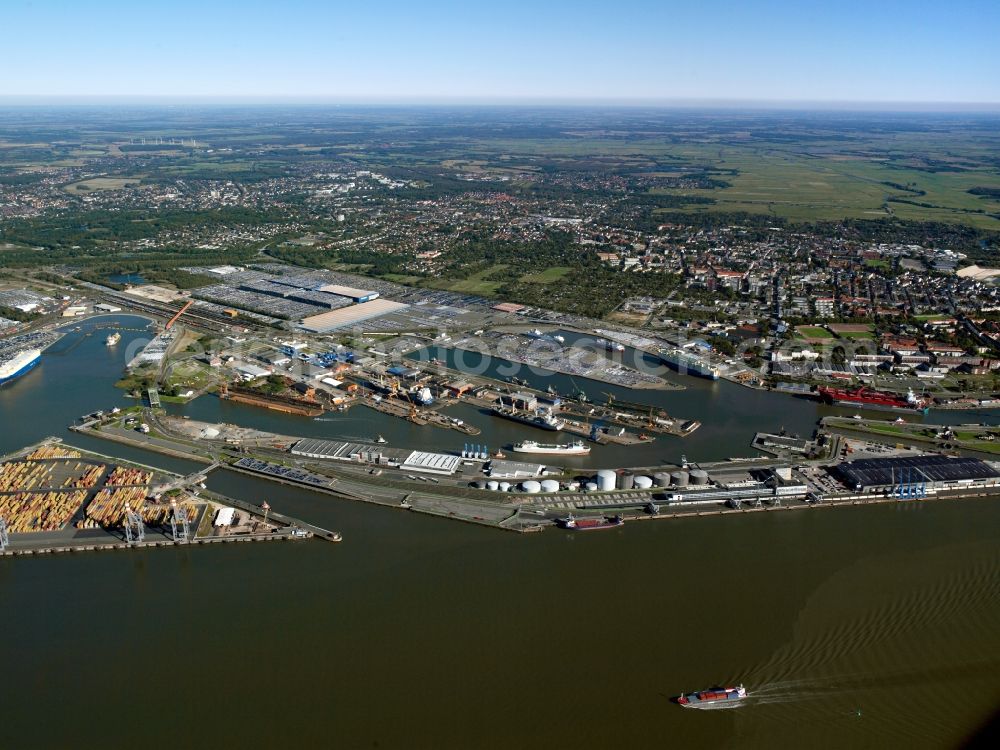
[879, 50]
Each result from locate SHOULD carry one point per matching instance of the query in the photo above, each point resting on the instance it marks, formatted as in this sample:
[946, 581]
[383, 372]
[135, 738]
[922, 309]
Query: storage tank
[661, 479]
[606, 480]
[643, 483]
[505, 486]
[479, 485]
[699, 476]
[590, 487]
[679, 479]
[626, 480]
[493, 485]
[550, 485]
[531, 486]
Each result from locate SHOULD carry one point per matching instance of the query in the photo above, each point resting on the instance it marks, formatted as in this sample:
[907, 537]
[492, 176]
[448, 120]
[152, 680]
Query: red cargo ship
[714, 697]
[869, 398]
[590, 524]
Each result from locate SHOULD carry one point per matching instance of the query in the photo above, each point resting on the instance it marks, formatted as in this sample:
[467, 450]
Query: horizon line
[465, 100]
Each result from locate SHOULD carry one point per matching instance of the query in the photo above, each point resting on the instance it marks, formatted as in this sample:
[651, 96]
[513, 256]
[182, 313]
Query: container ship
[576, 448]
[713, 698]
[590, 524]
[113, 339]
[542, 421]
[688, 364]
[15, 365]
[869, 398]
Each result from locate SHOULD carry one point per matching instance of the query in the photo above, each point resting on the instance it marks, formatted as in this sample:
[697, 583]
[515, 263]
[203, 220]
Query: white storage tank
[590, 487]
[643, 483]
[493, 485]
[531, 486]
[505, 486]
[550, 485]
[606, 480]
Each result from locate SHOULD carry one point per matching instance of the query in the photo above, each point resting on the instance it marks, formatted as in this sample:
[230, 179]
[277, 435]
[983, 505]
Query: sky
[547, 51]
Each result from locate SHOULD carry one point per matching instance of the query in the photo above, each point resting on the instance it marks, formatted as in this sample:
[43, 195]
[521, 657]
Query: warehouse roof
[348, 291]
[872, 472]
[435, 463]
[346, 316]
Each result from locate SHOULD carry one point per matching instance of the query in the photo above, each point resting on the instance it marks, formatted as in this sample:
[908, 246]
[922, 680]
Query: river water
[872, 627]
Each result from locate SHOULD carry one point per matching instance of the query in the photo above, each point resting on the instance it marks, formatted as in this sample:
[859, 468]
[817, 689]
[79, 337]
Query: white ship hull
[19, 364]
[572, 449]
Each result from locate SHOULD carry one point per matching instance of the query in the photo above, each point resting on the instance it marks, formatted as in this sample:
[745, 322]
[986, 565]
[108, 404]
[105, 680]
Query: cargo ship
[15, 365]
[540, 420]
[713, 698]
[113, 339]
[869, 398]
[688, 364]
[576, 448]
[590, 524]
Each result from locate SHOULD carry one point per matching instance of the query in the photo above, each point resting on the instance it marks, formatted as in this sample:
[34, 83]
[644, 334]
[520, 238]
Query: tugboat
[717, 696]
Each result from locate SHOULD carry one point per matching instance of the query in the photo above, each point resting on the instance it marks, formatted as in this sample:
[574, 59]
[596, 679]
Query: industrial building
[519, 400]
[358, 295]
[421, 461]
[514, 469]
[934, 471]
[431, 463]
[347, 316]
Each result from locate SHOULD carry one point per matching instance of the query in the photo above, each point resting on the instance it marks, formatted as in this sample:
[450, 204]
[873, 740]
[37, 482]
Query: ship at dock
[576, 448]
[869, 398]
[15, 365]
[542, 420]
[113, 339]
[714, 698]
[687, 363]
[590, 524]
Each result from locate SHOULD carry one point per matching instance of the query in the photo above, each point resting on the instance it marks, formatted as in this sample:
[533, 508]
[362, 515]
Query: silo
[661, 479]
[550, 485]
[699, 476]
[606, 480]
[590, 487]
[505, 486]
[626, 480]
[493, 485]
[679, 479]
[643, 483]
[531, 486]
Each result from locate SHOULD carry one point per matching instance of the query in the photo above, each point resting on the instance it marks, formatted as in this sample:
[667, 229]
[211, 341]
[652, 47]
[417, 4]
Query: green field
[477, 283]
[814, 332]
[547, 276]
